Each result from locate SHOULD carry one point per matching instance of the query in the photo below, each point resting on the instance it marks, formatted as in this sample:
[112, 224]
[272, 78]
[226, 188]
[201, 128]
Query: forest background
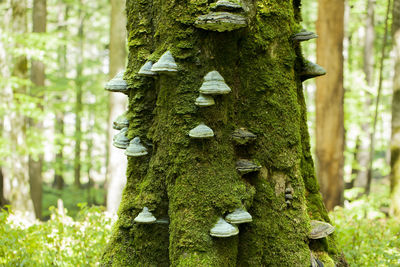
[56, 131]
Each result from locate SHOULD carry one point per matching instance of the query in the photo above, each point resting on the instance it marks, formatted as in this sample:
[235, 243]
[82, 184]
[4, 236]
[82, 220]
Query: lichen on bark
[193, 182]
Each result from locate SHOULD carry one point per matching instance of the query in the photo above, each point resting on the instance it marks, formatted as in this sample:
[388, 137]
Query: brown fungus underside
[193, 182]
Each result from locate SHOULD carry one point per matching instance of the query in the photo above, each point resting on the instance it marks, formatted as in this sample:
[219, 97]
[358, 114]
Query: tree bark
[395, 139]
[116, 163]
[59, 116]
[363, 155]
[329, 102]
[78, 100]
[16, 176]
[38, 80]
[193, 182]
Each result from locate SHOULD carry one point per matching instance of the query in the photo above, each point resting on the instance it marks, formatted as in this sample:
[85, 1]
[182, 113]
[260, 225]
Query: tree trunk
[38, 79]
[363, 158]
[329, 102]
[116, 163]
[16, 176]
[78, 101]
[194, 182]
[2, 199]
[59, 116]
[395, 139]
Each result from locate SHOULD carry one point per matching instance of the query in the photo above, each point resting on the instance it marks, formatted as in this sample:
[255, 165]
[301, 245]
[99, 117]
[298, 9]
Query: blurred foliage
[61, 241]
[71, 197]
[58, 95]
[366, 236]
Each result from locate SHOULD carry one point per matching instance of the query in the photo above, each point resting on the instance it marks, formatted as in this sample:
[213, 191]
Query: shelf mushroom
[224, 5]
[223, 229]
[145, 70]
[201, 131]
[135, 148]
[242, 136]
[246, 166]
[117, 84]
[120, 122]
[166, 64]
[214, 84]
[320, 229]
[304, 35]
[204, 100]
[311, 70]
[145, 217]
[239, 216]
[222, 18]
[120, 139]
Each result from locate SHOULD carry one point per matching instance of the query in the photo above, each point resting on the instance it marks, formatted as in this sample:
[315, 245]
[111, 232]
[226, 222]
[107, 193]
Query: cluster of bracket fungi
[224, 16]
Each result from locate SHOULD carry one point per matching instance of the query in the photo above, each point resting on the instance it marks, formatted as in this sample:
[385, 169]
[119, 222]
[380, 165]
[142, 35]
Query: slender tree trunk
[38, 80]
[117, 162]
[5, 74]
[89, 150]
[59, 116]
[2, 199]
[363, 158]
[378, 96]
[329, 102]
[16, 173]
[194, 182]
[395, 139]
[78, 101]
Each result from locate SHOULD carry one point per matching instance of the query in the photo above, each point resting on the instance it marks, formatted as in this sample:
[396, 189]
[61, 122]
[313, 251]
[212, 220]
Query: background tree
[193, 182]
[362, 153]
[116, 160]
[329, 102]
[16, 176]
[38, 79]
[395, 140]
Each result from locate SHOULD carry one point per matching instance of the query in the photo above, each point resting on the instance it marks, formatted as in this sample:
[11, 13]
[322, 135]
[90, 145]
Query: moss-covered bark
[193, 182]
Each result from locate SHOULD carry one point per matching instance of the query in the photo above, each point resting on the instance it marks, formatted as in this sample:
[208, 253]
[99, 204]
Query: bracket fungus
[314, 262]
[311, 70]
[162, 221]
[201, 131]
[304, 35]
[223, 229]
[145, 70]
[242, 136]
[239, 216]
[166, 64]
[120, 122]
[214, 84]
[135, 148]
[120, 139]
[204, 100]
[220, 21]
[145, 216]
[320, 229]
[117, 84]
[223, 5]
[245, 166]
[288, 196]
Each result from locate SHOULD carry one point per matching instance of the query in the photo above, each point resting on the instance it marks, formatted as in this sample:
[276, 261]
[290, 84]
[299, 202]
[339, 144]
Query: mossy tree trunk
[193, 182]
